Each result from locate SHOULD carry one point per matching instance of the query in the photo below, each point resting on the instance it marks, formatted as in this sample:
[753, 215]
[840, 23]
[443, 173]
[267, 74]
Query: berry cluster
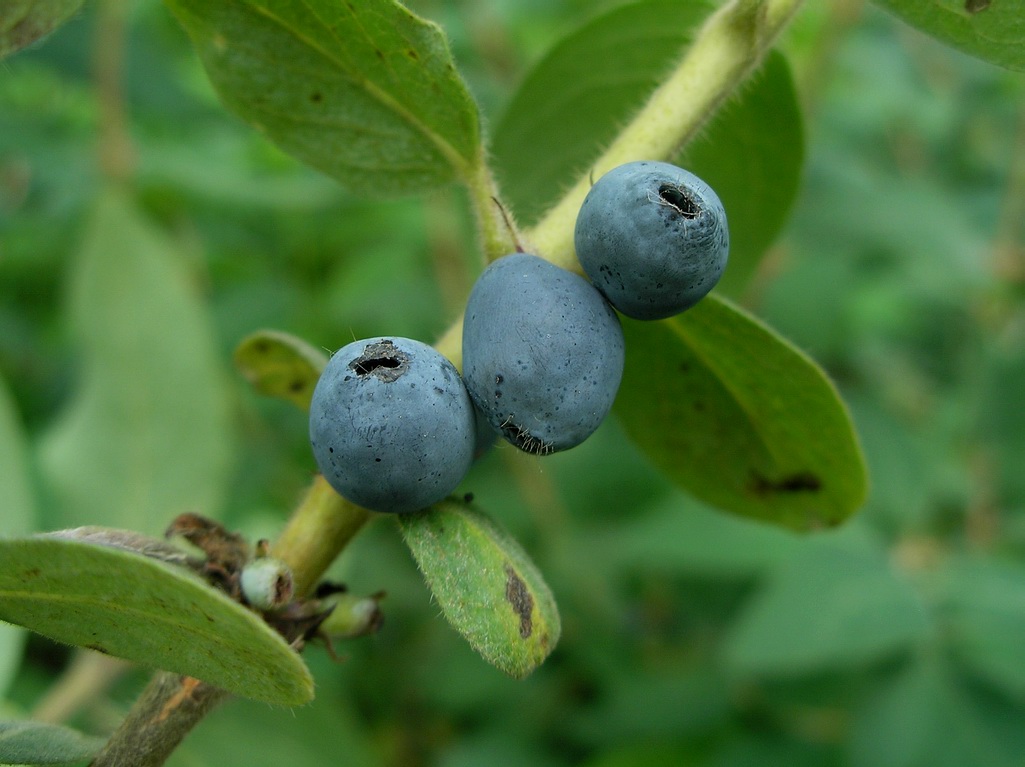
[393, 425]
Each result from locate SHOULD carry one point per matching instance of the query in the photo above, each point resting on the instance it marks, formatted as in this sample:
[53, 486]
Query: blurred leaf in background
[18, 514]
[23, 22]
[148, 434]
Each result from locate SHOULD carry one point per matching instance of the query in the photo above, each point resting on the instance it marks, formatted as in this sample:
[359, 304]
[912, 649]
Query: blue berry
[653, 238]
[542, 353]
[391, 425]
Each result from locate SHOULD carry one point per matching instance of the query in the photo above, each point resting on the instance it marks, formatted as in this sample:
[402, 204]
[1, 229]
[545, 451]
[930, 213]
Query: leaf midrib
[134, 612]
[461, 164]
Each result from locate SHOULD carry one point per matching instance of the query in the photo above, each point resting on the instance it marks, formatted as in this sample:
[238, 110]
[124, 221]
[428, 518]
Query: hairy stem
[728, 48]
[494, 219]
[168, 709]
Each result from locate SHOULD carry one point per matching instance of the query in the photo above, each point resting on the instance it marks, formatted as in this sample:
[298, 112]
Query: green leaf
[984, 607]
[280, 365]
[993, 30]
[38, 743]
[573, 103]
[828, 608]
[647, 755]
[22, 22]
[147, 434]
[925, 717]
[18, 512]
[135, 607]
[364, 91]
[669, 700]
[739, 418]
[1001, 418]
[685, 538]
[486, 585]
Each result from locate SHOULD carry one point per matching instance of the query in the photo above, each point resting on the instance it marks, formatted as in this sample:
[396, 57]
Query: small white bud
[267, 583]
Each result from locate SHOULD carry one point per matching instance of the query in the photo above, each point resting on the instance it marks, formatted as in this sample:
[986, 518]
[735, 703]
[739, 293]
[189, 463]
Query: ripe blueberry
[542, 353]
[653, 238]
[391, 424]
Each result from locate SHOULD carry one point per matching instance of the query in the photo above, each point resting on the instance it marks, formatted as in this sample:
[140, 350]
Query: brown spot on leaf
[519, 597]
[413, 54]
[297, 386]
[976, 6]
[32, 572]
[316, 97]
[798, 482]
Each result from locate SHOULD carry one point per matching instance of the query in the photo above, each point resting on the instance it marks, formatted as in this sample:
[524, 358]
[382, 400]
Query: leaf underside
[486, 585]
[137, 608]
[26, 742]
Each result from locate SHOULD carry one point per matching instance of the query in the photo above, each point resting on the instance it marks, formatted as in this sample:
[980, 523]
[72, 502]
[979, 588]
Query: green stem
[728, 48]
[320, 528]
[498, 233]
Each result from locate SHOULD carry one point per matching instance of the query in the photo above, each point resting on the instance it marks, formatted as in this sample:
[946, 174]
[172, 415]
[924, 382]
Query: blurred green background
[690, 638]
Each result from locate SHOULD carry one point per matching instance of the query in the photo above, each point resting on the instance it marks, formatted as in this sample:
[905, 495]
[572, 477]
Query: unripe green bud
[352, 616]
